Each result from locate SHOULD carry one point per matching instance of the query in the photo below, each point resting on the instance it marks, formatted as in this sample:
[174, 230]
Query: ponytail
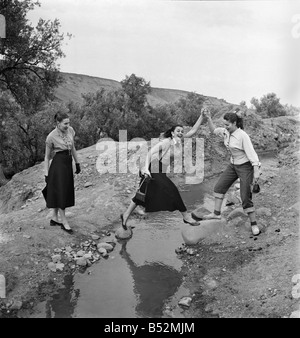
[236, 117]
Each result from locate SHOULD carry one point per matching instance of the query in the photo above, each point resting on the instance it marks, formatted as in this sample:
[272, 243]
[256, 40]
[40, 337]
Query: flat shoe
[255, 230]
[69, 231]
[197, 218]
[195, 223]
[122, 220]
[212, 216]
[54, 223]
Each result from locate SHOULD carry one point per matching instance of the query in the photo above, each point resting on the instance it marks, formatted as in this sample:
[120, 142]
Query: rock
[103, 252]
[235, 213]
[108, 247]
[56, 258]
[199, 212]
[123, 234]
[88, 184]
[81, 261]
[236, 222]
[190, 251]
[27, 236]
[88, 256]
[193, 234]
[16, 305]
[210, 283]
[60, 266]
[95, 237]
[185, 301]
[52, 266]
[80, 253]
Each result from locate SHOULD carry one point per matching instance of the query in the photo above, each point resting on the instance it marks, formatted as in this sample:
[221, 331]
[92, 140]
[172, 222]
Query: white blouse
[239, 145]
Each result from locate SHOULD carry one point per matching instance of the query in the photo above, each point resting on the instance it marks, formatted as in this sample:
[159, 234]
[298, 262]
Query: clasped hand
[205, 112]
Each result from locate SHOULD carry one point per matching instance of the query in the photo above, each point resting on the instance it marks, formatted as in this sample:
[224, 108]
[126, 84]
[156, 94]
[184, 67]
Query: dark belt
[64, 152]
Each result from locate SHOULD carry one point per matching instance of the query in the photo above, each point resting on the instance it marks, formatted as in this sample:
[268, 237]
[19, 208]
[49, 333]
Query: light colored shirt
[239, 145]
[56, 141]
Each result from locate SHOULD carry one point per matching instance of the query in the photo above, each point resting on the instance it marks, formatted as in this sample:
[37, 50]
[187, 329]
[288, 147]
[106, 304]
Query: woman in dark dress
[59, 192]
[162, 193]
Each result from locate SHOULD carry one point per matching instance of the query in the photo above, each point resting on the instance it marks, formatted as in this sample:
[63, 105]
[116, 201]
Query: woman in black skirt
[162, 193]
[59, 192]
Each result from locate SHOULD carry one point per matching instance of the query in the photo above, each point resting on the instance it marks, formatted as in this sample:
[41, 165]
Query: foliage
[22, 137]
[106, 113]
[291, 110]
[189, 108]
[268, 106]
[28, 67]
[28, 77]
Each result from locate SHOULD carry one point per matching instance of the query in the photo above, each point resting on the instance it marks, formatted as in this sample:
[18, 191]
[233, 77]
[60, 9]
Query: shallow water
[141, 274]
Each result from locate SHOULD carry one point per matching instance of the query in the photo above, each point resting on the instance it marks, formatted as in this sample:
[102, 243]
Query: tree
[28, 72]
[28, 67]
[268, 106]
[136, 88]
[189, 108]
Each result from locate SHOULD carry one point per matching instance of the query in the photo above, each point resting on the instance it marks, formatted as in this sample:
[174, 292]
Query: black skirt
[162, 194]
[60, 187]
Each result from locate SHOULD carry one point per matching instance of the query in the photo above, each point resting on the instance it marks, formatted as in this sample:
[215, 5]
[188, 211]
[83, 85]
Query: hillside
[74, 85]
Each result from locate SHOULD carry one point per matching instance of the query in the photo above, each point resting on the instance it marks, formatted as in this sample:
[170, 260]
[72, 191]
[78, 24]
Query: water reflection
[154, 283]
[64, 303]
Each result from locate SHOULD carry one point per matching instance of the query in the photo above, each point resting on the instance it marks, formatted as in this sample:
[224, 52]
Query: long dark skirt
[60, 186]
[162, 194]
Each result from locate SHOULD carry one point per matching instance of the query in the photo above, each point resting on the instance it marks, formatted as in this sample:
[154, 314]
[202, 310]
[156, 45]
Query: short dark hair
[59, 116]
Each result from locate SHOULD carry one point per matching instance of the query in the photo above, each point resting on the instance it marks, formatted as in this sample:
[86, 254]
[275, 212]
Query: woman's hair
[59, 116]
[168, 133]
[235, 117]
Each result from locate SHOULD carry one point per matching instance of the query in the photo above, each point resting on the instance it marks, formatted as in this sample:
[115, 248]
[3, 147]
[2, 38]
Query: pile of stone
[84, 255]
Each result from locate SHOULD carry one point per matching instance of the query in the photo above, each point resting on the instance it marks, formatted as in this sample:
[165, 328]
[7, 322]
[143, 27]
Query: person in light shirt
[244, 164]
[59, 191]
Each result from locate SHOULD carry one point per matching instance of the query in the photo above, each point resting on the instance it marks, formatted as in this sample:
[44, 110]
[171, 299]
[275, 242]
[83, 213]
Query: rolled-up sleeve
[249, 150]
[219, 131]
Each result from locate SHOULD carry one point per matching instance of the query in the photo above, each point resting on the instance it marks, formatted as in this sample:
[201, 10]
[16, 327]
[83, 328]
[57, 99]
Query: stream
[140, 276]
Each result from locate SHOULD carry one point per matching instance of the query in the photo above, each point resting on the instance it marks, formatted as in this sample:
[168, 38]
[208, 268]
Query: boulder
[193, 234]
[123, 234]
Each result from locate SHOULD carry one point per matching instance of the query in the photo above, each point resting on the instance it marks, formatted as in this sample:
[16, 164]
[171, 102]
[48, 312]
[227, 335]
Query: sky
[232, 50]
